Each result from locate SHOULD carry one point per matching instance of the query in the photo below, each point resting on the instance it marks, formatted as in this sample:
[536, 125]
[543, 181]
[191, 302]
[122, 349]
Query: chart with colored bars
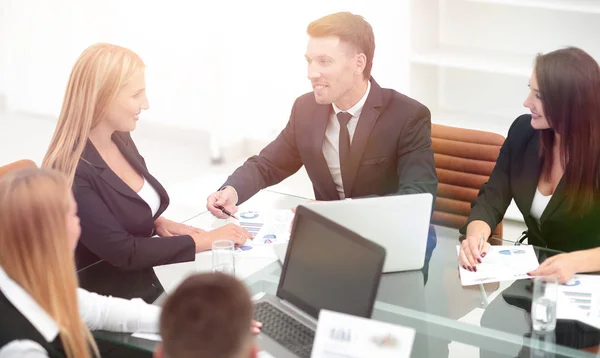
[579, 299]
[267, 227]
[512, 252]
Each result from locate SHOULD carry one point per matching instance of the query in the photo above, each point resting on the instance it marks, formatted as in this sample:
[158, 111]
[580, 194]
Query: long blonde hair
[98, 75]
[35, 250]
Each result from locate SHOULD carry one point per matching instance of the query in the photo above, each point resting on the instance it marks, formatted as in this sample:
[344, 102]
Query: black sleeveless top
[15, 326]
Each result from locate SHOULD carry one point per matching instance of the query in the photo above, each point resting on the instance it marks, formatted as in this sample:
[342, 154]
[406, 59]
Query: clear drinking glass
[223, 257]
[543, 305]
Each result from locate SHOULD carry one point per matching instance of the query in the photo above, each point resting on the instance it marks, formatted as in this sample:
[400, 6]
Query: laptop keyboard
[284, 329]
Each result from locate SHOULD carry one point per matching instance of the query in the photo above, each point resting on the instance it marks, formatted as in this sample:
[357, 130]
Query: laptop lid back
[399, 223]
[330, 267]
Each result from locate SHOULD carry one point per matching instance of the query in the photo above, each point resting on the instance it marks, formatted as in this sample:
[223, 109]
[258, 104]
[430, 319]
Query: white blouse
[539, 204]
[98, 312]
[150, 196]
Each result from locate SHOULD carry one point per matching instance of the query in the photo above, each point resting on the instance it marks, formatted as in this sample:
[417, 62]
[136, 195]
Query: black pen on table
[226, 212]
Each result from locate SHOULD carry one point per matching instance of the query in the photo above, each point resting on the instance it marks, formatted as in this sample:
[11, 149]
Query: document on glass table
[579, 299]
[340, 335]
[266, 226]
[501, 263]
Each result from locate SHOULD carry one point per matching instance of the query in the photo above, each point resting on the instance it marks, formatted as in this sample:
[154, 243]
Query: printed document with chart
[501, 263]
[267, 227]
[579, 299]
[341, 335]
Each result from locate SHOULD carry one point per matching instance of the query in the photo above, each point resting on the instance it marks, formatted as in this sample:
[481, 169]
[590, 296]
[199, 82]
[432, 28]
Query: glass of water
[543, 305]
[223, 257]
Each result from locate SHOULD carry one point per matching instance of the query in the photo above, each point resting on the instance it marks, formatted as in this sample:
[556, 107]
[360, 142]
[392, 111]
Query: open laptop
[399, 223]
[327, 267]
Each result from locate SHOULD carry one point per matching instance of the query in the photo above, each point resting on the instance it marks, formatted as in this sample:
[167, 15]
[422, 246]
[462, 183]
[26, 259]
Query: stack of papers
[501, 263]
[341, 335]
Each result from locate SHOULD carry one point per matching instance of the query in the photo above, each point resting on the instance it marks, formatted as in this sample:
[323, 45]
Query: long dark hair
[569, 85]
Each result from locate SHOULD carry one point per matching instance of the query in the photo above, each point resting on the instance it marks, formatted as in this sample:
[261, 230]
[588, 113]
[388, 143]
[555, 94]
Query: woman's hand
[166, 227]
[471, 253]
[562, 266]
[232, 232]
[473, 249]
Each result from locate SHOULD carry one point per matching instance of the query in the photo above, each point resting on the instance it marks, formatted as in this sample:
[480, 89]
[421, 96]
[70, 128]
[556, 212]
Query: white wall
[210, 64]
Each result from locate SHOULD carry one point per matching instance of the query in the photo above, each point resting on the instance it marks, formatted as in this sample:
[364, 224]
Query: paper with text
[340, 335]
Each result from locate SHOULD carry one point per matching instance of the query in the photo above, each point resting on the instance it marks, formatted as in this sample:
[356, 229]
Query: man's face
[333, 68]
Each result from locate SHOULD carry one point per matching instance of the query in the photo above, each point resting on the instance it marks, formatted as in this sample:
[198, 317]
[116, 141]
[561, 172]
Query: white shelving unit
[471, 59]
[586, 6]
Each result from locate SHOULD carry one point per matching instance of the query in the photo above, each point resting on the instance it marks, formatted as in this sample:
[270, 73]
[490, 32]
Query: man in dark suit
[355, 138]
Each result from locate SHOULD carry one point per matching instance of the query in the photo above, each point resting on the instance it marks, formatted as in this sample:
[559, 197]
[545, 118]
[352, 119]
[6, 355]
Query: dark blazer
[516, 176]
[390, 154]
[117, 227]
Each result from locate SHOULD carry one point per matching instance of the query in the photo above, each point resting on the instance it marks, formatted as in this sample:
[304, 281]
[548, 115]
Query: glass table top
[489, 320]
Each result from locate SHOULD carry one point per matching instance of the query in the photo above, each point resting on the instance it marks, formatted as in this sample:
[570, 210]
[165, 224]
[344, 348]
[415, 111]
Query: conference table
[489, 320]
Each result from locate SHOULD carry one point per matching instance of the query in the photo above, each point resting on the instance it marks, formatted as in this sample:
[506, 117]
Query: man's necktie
[344, 145]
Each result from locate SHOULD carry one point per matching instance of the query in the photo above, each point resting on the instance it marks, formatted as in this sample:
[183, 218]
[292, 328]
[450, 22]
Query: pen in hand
[481, 242]
[226, 212]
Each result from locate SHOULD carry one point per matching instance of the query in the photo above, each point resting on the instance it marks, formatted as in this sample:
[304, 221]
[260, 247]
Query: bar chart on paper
[579, 299]
[502, 263]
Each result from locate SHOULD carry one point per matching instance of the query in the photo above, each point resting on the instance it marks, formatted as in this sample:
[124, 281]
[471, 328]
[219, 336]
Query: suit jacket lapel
[531, 173]
[91, 155]
[557, 199]
[366, 121]
[139, 167]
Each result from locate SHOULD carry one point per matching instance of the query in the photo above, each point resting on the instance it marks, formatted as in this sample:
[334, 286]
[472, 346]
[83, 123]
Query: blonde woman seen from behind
[43, 312]
[120, 202]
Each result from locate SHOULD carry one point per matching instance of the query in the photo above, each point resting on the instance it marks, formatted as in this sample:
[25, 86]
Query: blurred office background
[222, 75]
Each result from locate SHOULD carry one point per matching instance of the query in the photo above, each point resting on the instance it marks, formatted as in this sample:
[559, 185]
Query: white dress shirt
[150, 196]
[97, 312]
[331, 143]
[538, 205]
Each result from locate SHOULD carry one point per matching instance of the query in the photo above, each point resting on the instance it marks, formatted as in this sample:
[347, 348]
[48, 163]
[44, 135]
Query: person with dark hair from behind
[354, 138]
[208, 316]
[550, 165]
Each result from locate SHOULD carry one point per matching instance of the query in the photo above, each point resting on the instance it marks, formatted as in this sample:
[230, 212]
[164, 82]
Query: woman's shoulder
[87, 165]
[520, 130]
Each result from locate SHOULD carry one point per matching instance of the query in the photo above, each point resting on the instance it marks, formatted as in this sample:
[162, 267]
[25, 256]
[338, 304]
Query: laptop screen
[330, 267]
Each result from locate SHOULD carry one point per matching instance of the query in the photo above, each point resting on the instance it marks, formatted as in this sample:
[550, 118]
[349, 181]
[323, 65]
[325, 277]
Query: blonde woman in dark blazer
[120, 201]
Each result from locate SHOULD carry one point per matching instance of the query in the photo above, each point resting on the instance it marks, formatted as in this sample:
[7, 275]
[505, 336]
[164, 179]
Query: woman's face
[125, 109]
[73, 227]
[534, 103]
